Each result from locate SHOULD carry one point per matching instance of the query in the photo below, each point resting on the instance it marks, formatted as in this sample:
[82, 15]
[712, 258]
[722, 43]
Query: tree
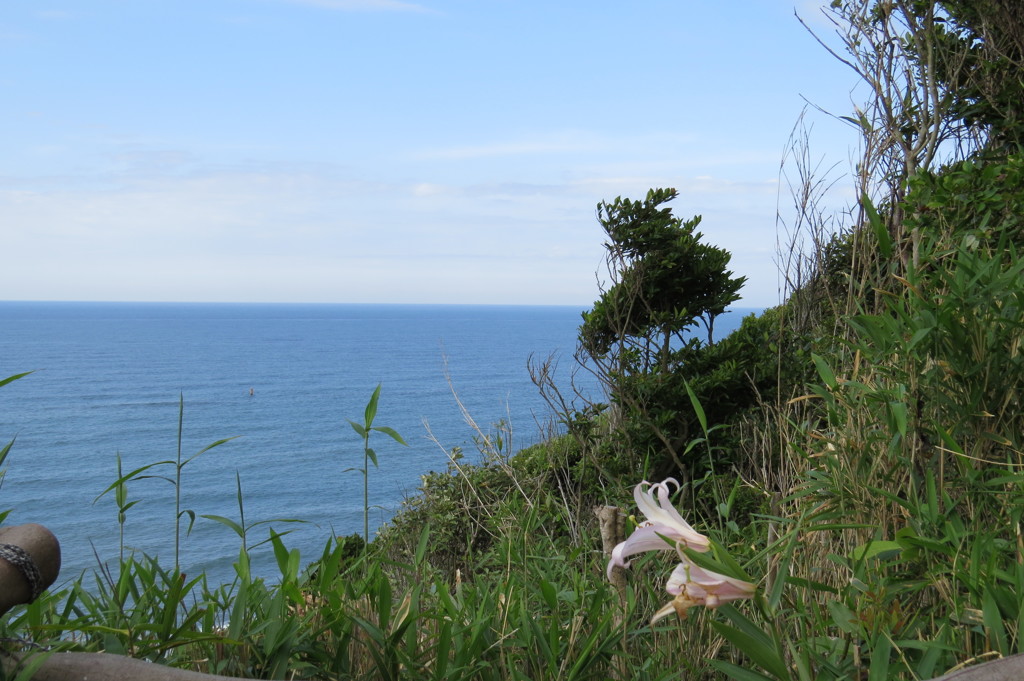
[664, 282]
[979, 58]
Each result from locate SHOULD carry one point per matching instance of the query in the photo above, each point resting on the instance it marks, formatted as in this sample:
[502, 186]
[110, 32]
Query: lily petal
[659, 510]
[698, 586]
[663, 530]
[654, 537]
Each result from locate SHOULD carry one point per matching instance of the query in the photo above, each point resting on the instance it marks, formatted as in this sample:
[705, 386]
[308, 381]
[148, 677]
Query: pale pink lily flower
[693, 585]
[664, 528]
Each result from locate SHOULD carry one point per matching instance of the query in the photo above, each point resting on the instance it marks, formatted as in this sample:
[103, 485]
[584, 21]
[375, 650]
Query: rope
[19, 558]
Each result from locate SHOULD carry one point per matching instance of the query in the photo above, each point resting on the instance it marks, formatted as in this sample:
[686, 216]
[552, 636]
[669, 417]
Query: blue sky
[427, 151]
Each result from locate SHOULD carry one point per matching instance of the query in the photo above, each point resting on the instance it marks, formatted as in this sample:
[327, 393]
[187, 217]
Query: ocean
[282, 380]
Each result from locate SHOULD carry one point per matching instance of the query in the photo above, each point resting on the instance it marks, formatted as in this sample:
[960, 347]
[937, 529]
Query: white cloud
[183, 228]
[292, 234]
[424, 189]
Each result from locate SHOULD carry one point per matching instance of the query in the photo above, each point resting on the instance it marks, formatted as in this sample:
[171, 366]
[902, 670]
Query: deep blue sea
[283, 380]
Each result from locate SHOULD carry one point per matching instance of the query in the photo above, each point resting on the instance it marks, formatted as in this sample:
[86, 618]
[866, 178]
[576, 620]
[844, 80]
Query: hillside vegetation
[855, 453]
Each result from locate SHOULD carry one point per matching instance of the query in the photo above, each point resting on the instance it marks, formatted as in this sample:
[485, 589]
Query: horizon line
[250, 302]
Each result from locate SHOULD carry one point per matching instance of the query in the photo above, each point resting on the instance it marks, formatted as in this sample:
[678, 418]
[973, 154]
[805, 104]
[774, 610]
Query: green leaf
[824, 371]
[191, 519]
[280, 551]
[880, 652]
[782, 572]
[697, 408]
[757, 646]
[6, 450]
[547, 589]
[993, 619]
[226, 521]
[371, 407]
[15, 377]
[844, 617]
[242, 568]
[736, 672]
[421, 548]
[373, 631]
[358, 428]
[207, 448]
[873, 549]
[390, 432]
[918, 336]
[898, 410]
[878, 227]
[722, 562]
[129, 476]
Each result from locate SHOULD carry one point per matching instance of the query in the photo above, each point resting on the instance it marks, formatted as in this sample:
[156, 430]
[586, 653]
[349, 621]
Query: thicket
[856, 451]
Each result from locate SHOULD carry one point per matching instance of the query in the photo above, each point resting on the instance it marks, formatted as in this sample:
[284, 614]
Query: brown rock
[44, 549]
[1004, 669]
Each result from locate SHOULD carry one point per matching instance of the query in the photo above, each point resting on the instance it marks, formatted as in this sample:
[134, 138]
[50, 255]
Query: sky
[391, 151]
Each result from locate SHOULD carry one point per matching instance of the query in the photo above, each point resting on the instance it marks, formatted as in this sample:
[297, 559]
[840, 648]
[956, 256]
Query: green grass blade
[13, 378]
[738, 673]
